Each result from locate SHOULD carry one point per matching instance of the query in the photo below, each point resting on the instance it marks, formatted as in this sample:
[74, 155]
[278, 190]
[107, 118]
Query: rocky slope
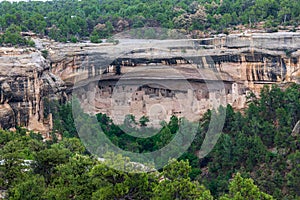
[25, 80]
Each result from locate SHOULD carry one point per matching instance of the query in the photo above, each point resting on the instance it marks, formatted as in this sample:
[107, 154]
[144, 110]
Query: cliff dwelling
[159, 88]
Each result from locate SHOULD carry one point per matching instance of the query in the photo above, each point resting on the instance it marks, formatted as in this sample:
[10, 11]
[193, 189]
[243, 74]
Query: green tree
[293, 175]
[173, 124]
[244, 188]
[176, 184]
[73, 144]
[95, 38]
[12, 155]
[123, 183]
[46, 160]
[32, 188]
[72, 179]
[143, 121]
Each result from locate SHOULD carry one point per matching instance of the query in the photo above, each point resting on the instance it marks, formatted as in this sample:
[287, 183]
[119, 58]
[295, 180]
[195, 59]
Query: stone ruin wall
[156, 102]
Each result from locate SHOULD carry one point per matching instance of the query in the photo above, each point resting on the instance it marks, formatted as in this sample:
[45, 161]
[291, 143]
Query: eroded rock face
[257, 59]
[25, 80]
[253, 59]
[246, 60]
[249, 60]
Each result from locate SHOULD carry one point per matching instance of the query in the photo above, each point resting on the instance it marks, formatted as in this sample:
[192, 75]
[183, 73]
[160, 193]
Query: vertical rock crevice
[23, 86]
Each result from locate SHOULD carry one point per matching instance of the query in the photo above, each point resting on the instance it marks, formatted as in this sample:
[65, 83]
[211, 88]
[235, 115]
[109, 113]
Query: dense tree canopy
[58, 171]
[69, 20]
[12, 37]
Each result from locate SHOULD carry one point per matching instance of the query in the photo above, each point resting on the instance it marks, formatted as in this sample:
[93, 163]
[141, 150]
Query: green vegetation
[68, 20]
[12, 37]
[257, 143]
[241, 188]
[63, 171]
[45, 53]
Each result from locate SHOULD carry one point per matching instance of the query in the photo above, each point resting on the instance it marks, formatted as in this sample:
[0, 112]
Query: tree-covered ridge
[64, 170]
[260, 143]
[69, 20]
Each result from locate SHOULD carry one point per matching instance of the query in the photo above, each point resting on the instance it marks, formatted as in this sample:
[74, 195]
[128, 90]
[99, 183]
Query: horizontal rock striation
[245, 62]
[252, 59]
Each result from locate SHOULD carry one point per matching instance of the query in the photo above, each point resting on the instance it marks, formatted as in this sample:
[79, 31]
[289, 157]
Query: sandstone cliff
[25, 80]
[249, 60]
[258, 59]
[253, 59]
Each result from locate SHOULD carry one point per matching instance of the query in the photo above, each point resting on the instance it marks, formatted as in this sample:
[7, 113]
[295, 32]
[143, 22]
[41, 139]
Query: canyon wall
[253, 59]
[247, 60]
[25, 80]
[258, 59]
